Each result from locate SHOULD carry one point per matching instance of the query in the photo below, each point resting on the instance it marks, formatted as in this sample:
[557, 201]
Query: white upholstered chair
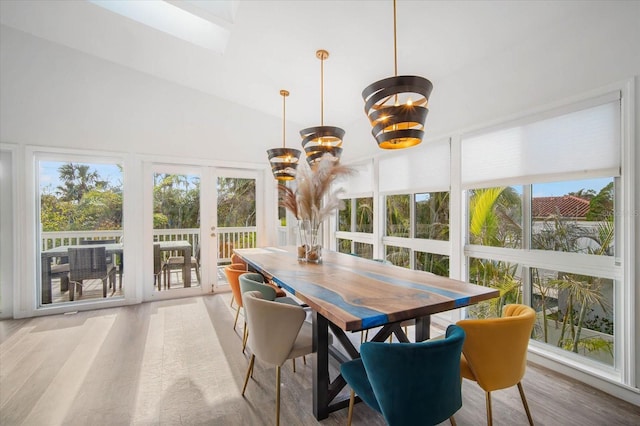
[292, 339]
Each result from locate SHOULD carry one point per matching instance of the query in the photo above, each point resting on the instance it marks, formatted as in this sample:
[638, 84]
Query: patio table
[45, 269]
[47, 255]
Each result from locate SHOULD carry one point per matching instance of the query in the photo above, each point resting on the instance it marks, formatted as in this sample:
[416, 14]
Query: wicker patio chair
[88, 264]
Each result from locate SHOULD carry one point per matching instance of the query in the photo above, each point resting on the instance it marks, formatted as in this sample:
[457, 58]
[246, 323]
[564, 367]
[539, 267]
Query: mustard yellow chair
[494, 353]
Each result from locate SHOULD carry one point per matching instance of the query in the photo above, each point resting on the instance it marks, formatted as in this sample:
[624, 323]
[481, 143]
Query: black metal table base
[325, 391]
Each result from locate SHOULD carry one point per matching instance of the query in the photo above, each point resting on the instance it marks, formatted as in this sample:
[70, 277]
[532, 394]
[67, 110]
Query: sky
[563, 188]
[49, 173]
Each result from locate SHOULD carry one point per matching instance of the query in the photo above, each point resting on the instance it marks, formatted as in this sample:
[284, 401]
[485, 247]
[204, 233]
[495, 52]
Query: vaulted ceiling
[272, 45]
[486, 60]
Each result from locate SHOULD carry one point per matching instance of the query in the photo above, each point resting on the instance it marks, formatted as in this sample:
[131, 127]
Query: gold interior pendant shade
[320, 140]
[397, 106]
[284, 161]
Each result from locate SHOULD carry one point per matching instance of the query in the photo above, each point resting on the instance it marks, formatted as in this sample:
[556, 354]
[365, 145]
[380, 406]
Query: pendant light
[397, 106]
[284, 161]
[320, 140]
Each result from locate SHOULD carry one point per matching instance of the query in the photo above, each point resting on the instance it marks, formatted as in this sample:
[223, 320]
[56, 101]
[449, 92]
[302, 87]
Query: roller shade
[585, 141]
[359, 184]
[426, 168]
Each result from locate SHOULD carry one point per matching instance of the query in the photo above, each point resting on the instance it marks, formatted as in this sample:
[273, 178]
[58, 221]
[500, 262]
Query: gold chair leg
[245, 337]
[524, 402]
[236, 320]
[452, 421]
[249, 373]
[489, 416]
[304, 359]
[277, 395]
[352, 399]
[293, 361]
[232, 299]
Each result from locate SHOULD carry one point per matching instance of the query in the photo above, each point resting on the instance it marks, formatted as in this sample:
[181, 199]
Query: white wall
[56, 96]
[6, 233]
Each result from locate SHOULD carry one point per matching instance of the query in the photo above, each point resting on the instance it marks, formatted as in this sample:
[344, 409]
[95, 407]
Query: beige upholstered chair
[278, 333]
[251, 281]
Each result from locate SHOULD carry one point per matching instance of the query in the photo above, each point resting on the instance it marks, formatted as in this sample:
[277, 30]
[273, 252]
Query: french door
[238, 204]
[196, 216]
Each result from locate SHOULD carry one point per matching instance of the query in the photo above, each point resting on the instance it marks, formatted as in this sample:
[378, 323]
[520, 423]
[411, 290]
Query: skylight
[171, 19]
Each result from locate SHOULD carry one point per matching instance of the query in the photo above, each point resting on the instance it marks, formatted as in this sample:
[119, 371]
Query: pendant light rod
[395, 42]
[322, 55]
[320, 140]
[284, 94]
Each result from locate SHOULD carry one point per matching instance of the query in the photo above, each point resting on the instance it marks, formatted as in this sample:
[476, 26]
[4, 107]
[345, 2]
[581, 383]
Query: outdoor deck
[92, 289]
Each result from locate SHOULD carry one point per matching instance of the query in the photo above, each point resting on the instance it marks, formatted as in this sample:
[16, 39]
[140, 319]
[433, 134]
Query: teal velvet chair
[409, 383]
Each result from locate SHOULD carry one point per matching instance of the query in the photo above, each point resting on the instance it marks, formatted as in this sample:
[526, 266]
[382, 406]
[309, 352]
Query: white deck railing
[228, 238]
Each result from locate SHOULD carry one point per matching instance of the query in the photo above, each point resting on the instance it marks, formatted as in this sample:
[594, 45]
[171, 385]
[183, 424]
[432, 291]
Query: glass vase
[301, 243]
[314, 247]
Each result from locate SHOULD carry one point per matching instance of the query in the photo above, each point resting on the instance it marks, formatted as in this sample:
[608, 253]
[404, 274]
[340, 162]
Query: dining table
[347, 293]
[46, 256]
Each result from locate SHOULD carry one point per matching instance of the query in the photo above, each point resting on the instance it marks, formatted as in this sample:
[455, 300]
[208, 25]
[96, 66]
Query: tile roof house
[567, 206]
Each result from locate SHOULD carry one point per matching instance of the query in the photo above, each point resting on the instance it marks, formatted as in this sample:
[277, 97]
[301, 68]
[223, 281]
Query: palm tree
[494, 221]
[77, 180]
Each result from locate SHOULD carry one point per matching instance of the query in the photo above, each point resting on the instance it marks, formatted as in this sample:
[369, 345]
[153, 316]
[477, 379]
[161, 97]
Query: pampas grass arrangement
[314, 199]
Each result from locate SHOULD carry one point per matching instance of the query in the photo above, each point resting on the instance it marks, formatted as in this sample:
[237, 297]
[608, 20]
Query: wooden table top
[356, 293]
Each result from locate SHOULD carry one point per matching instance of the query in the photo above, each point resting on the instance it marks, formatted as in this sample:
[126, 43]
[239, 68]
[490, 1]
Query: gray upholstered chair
[292, 338]
[88, 264]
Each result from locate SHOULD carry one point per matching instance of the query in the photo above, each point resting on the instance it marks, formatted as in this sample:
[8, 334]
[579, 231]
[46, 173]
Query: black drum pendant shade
[397, 106]
[284, 161]
[320, 140]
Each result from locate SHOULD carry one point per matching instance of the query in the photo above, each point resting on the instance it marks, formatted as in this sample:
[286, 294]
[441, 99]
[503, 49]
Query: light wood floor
[179, 362]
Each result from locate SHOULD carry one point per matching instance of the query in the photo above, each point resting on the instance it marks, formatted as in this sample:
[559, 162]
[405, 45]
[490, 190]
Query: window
[414, 223]
[79, 202]
[398, 216]
[574, 216]
[355, 227]
[495, 217]
[545, 234]
[432, 216]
